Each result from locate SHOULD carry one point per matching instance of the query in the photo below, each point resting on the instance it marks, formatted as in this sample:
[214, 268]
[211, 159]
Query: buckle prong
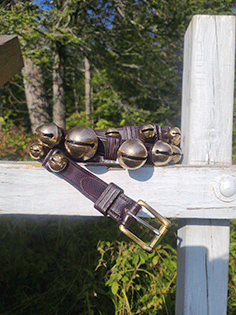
[165, 224]
[143, 222]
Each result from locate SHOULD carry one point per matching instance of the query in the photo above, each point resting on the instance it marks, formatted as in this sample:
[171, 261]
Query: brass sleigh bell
[49, 134]
[174, 134]
[57, 162]
[112, 132]
[81, 143]
[161, 153]
[148, 131]
[177, 154]
[36, 150]
[132, 154]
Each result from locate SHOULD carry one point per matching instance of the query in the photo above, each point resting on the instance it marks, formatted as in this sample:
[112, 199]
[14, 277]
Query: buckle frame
[158, 233]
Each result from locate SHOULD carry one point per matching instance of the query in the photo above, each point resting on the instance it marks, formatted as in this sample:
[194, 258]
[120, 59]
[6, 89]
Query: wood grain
[11, 60]
[175, 191]
[207, 113]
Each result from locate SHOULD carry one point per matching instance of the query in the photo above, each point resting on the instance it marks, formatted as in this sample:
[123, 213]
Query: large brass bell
[57, 162]
[148, 131]
[161, 153]
[49, 134]
[36, 150]
[174, 135]
[132, 154]
[177, 154]
[81, 143]
[112, 132]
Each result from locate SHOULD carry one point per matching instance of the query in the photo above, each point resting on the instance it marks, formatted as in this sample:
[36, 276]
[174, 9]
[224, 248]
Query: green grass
[72, 265]
[47, 266]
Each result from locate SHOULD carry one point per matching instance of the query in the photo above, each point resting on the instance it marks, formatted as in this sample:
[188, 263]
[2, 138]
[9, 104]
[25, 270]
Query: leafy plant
[14, 141]
[140, 283]
[77, 119]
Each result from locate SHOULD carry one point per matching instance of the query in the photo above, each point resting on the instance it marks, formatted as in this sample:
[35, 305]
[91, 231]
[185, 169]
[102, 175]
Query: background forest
[98, 63]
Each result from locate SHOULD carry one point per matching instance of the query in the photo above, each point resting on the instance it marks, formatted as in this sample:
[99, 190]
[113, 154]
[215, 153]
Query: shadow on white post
[207, 114]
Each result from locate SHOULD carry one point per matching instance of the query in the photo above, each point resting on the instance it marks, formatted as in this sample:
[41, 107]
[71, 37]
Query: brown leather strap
[108, 146]
[133, 132]
[111, 147]
[109, 199]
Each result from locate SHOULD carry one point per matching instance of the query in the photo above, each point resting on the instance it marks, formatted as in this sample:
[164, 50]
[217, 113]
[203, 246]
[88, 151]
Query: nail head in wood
[225, 188]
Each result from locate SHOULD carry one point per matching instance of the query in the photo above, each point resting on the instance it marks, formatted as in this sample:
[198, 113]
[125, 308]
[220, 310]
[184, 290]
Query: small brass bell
[177, 154]
[174, 135]
[161, 153]
[49, 134]
[81, 143]
[57, 162]
[148, 131]
[112, 132]
[36, 150]
[132, 154]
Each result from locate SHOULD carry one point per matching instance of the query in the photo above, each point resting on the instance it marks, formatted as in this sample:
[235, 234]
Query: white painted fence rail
[201, 191]
[175, 191]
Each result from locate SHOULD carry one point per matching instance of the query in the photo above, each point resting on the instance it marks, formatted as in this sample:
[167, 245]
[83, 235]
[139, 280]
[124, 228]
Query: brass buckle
[158, 233]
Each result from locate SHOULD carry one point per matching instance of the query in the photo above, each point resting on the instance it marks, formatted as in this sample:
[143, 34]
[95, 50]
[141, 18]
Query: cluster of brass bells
[132, 154]
[81, 143]
[48, 136]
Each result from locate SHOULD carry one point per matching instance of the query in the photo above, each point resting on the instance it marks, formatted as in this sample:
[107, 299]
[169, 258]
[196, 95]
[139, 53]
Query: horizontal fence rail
[174, 191]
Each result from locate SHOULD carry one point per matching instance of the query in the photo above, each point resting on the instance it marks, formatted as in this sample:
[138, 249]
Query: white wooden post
[201, 191]
[207, 112]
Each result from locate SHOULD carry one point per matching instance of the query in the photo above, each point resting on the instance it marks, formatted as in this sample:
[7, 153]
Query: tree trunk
[58, 87]
[35, 94]
[1, 92]
[75, 92]
[87, 87]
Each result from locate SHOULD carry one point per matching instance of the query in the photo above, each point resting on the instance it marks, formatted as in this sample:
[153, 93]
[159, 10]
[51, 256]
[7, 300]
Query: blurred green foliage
[14, 140]
[232, 270]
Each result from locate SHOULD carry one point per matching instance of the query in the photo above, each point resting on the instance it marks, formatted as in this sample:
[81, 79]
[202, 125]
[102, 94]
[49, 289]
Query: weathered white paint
[207, 112]
[180, 191]
[202, 267]
[227, 188]
[208, 90]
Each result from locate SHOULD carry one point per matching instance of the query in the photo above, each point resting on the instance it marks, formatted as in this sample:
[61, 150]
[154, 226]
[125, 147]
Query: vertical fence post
[207, 113]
